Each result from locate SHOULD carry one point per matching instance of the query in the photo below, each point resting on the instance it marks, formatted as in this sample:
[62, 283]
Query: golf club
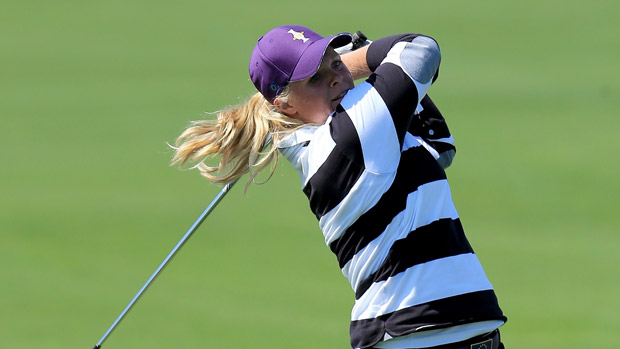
[176, 248]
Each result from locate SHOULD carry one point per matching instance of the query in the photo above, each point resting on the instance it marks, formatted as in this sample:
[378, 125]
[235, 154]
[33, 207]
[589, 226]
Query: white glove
[359, 40]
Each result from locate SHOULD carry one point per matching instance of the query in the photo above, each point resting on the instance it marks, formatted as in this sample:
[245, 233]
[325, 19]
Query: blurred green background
[92, 91]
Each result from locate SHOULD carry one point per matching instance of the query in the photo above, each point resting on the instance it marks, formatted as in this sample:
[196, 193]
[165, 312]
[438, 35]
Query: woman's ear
[284, 107]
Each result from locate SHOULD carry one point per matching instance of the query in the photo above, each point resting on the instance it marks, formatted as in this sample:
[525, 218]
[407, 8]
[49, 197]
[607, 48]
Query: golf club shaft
[176, 248]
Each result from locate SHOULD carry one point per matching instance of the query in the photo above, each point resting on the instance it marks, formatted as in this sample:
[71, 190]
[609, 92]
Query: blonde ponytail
[242, 139]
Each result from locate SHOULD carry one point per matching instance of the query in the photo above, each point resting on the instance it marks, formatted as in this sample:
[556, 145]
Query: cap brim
[311, 59]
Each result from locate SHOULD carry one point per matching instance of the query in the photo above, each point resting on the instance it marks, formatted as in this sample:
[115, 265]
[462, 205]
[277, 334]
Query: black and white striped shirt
[373, 177]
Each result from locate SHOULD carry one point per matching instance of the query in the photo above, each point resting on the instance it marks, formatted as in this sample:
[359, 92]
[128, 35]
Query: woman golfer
[371, 160]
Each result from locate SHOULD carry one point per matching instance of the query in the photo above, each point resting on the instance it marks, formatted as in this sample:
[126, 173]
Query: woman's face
[315, 98]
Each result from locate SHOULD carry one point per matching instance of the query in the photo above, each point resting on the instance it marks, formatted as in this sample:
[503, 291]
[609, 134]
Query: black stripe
[340, 171]
[442, 313]
[380, 48]
[440, 239]
[417, 166]
[399, 94]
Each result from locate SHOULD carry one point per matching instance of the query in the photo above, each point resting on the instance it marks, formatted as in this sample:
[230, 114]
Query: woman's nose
[336, 79]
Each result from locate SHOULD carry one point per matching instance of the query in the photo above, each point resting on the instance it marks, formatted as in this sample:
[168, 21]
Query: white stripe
[364, 194]
[449, 140]
[422, 88]
[375, 128]
[411, 141]
[394, 54]
[438, 279]
[308, 159]
[300, 136]
[429, 148]
[415, 215]
[316, 153]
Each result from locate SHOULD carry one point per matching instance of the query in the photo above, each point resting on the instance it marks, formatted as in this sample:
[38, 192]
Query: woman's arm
[356, 62]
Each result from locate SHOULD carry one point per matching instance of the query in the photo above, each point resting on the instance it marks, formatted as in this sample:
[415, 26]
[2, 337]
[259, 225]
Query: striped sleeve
[404, 68]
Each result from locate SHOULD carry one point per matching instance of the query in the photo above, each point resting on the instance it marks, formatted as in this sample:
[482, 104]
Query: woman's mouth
[340, 96]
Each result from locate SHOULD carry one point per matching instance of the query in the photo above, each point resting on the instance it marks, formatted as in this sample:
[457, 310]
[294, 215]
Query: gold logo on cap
[298, 36]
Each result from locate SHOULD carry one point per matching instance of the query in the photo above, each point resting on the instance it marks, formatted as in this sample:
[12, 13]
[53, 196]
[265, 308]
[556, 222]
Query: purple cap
[289, 53]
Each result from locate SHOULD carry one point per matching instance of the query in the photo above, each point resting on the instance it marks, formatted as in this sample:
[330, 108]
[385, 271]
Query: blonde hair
[242, 139]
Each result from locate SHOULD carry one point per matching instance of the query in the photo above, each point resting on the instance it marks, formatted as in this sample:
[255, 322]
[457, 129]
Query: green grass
[91, 93]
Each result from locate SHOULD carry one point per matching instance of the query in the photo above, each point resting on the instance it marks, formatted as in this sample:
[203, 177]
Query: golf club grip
[359, 39]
